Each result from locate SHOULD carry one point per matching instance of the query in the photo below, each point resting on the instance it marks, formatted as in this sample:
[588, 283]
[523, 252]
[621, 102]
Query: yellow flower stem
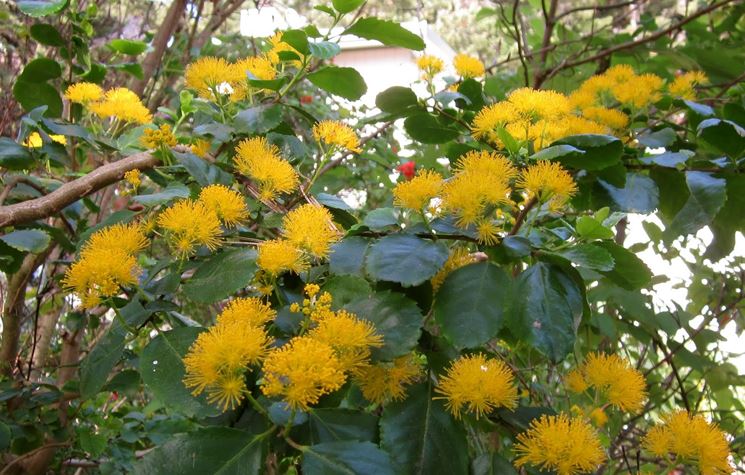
[324, 158]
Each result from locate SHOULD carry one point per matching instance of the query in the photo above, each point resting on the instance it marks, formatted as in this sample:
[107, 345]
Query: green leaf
[707, 196]
[590, 228]
[387, 32]
[214, 450]
[660, 138]
[725, 135]
[639, 195]
[95, 368]
[547, 308]
[589, 256]
[346, 6]
[601, 151]
[347, 288]
[348, 256]
[258, 120]
[173, 191]
[729, 219]
[91, 442]
[5, 436]
[36, 94]
[557, 151]
[396, 100]
[396, 317]
[162, 370]
[629, 271]
[346, 458]
[67, 129]
[668, 159]
[27, 240]
[472, 90]
[40, 70]
[422, 437]
[128, 47]
[14, 156]
[381, 218]
[202, 171]
[344, 82]
[324, 49]
[492, 464]
[405, 259]
[298, 39]
[425, 128]
[332, 425]
[470, 304]
[46, 34]
[221, 275]
[40, 8]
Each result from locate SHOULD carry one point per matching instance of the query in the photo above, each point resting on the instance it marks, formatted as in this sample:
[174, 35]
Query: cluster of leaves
[557, 284]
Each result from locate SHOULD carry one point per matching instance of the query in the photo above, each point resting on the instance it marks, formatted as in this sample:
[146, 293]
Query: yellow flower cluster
[477, 384]
[190, 224]
[219, 358]
[277, 256]
[387, 381]
[107, 262]
[160, 137]
[226, 203]
[614, 378]
[619, 85]
[467, 66]
[547, 182]
[200, 148]
[213, 77]
[311, 228]
[336, 135]
[122, 104]
[568, 446]
[683, 85]
[261, 161]
[429, 65]
[416, 193]
[133, 177]
[34, 140]
[84, 92]
[692, 439]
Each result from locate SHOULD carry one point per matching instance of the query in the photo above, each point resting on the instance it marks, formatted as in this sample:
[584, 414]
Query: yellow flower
[279, 46]
[612, 118]
[683, 85]
[301, 372]
[546, 181]
[311, 289]
[133, 177]
[34, 140]
[83, 92]
[100, 273]
[487, 232]
[310, 227]
[429, 65]
[477, 384]
[384, 382]
[575, 381]
[246, 311]
[129, 238]
[490, 118]
[622, 385]
[459, 257]
[201, 148]
[416, 193]
[467, 66]
[279, 255]
[218, 358]
[566, 446]
[350, 337]
[229, 205]
[599, 417]
[481, 181]
[693, 439]
[210, 75]
[123, 104]
[336, 134]
[317, 307]
[261, 161]
[638, 91]
[160, 137]
[254, 67]
[190, 224]
[536, 104]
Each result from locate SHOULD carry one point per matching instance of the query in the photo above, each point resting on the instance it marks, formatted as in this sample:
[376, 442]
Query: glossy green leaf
[557, 151]
[324, 49]
[396, 100]
[298, 39]
[425, 128]
[725, 135]
[346, 458]
[36, 94]
[174, 190]
[590, 228]
[333, 425]
[348, 256]
[40, 70]
[601, 151]
[660, 138]
[730, 218]
[629, 271]
[381, 218]
[639, 194]
[128, 47]
[221, 275]
[46, 34]
[346, 6]
[343, 82]
[405, 259]
[706, 198]
[492, 464]
[258, 120]
[590, 256]
[387, 32]
[202, 171]
[470, 304]
[40, 8]
[27, 240]
[668, 159]
[14, 156]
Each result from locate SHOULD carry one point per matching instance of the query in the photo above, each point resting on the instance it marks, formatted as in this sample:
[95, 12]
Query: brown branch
[595, 8]
[520, 219]
[549, 18]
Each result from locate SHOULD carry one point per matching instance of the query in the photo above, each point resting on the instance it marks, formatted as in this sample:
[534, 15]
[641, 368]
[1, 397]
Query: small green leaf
[27, 240]
[590, 228]
[660, 138]
[346, 6]
[202, 171]
[725, 135]
[324, 49]
[344, 82]
[173, 191]
[40, 70]
[668, 159]
[332, 425]
[128, 47]
[589, 256]
[601, 151]
[348, 256]
[706, 198]
[629, 271]
[298, 39]
[36, 94]
[470, 304]
[396, 100]
[381, 218]
[425, 128]
[221, 275]
[639, 194]
[14, 156]
[387, 32]
[40, 8]
[492, 464]
[405, 259]
[557, 151]
[91, 442]
[46, 34]
[258, 120]
[346, 458]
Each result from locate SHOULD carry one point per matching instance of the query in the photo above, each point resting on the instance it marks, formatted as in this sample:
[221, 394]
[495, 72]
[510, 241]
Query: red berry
[407, 169]
[306, 99]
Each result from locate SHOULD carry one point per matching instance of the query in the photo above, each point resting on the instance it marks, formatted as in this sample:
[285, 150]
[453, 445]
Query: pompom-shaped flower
[302, 371]
[133, 177]
[311, 228]
[477, 384]
[429, 65]
[566, 446]
[209, 75]
[218, 359]
[279, 256]
[575, 381]
[693, 439]
[246, 311]
[535, 104]
[683, 85]
[383, 382]
[416, 193]
[467, 66]
[254, 67]
[127, 237]
[615, 119]
[546, 180]
[160, 137]
[350, 337]
[101, 273]
[122, 104]
[226, 203]
[336, 134]
[492, 117]
[260, 161]
[190, 224]
[83, 92]
[622, 385]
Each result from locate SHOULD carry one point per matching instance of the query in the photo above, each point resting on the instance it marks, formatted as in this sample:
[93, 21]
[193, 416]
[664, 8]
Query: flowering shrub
[487, 318]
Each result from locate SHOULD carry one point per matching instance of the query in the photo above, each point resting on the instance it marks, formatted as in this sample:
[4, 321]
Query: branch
[71, 192]
[596, 8]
